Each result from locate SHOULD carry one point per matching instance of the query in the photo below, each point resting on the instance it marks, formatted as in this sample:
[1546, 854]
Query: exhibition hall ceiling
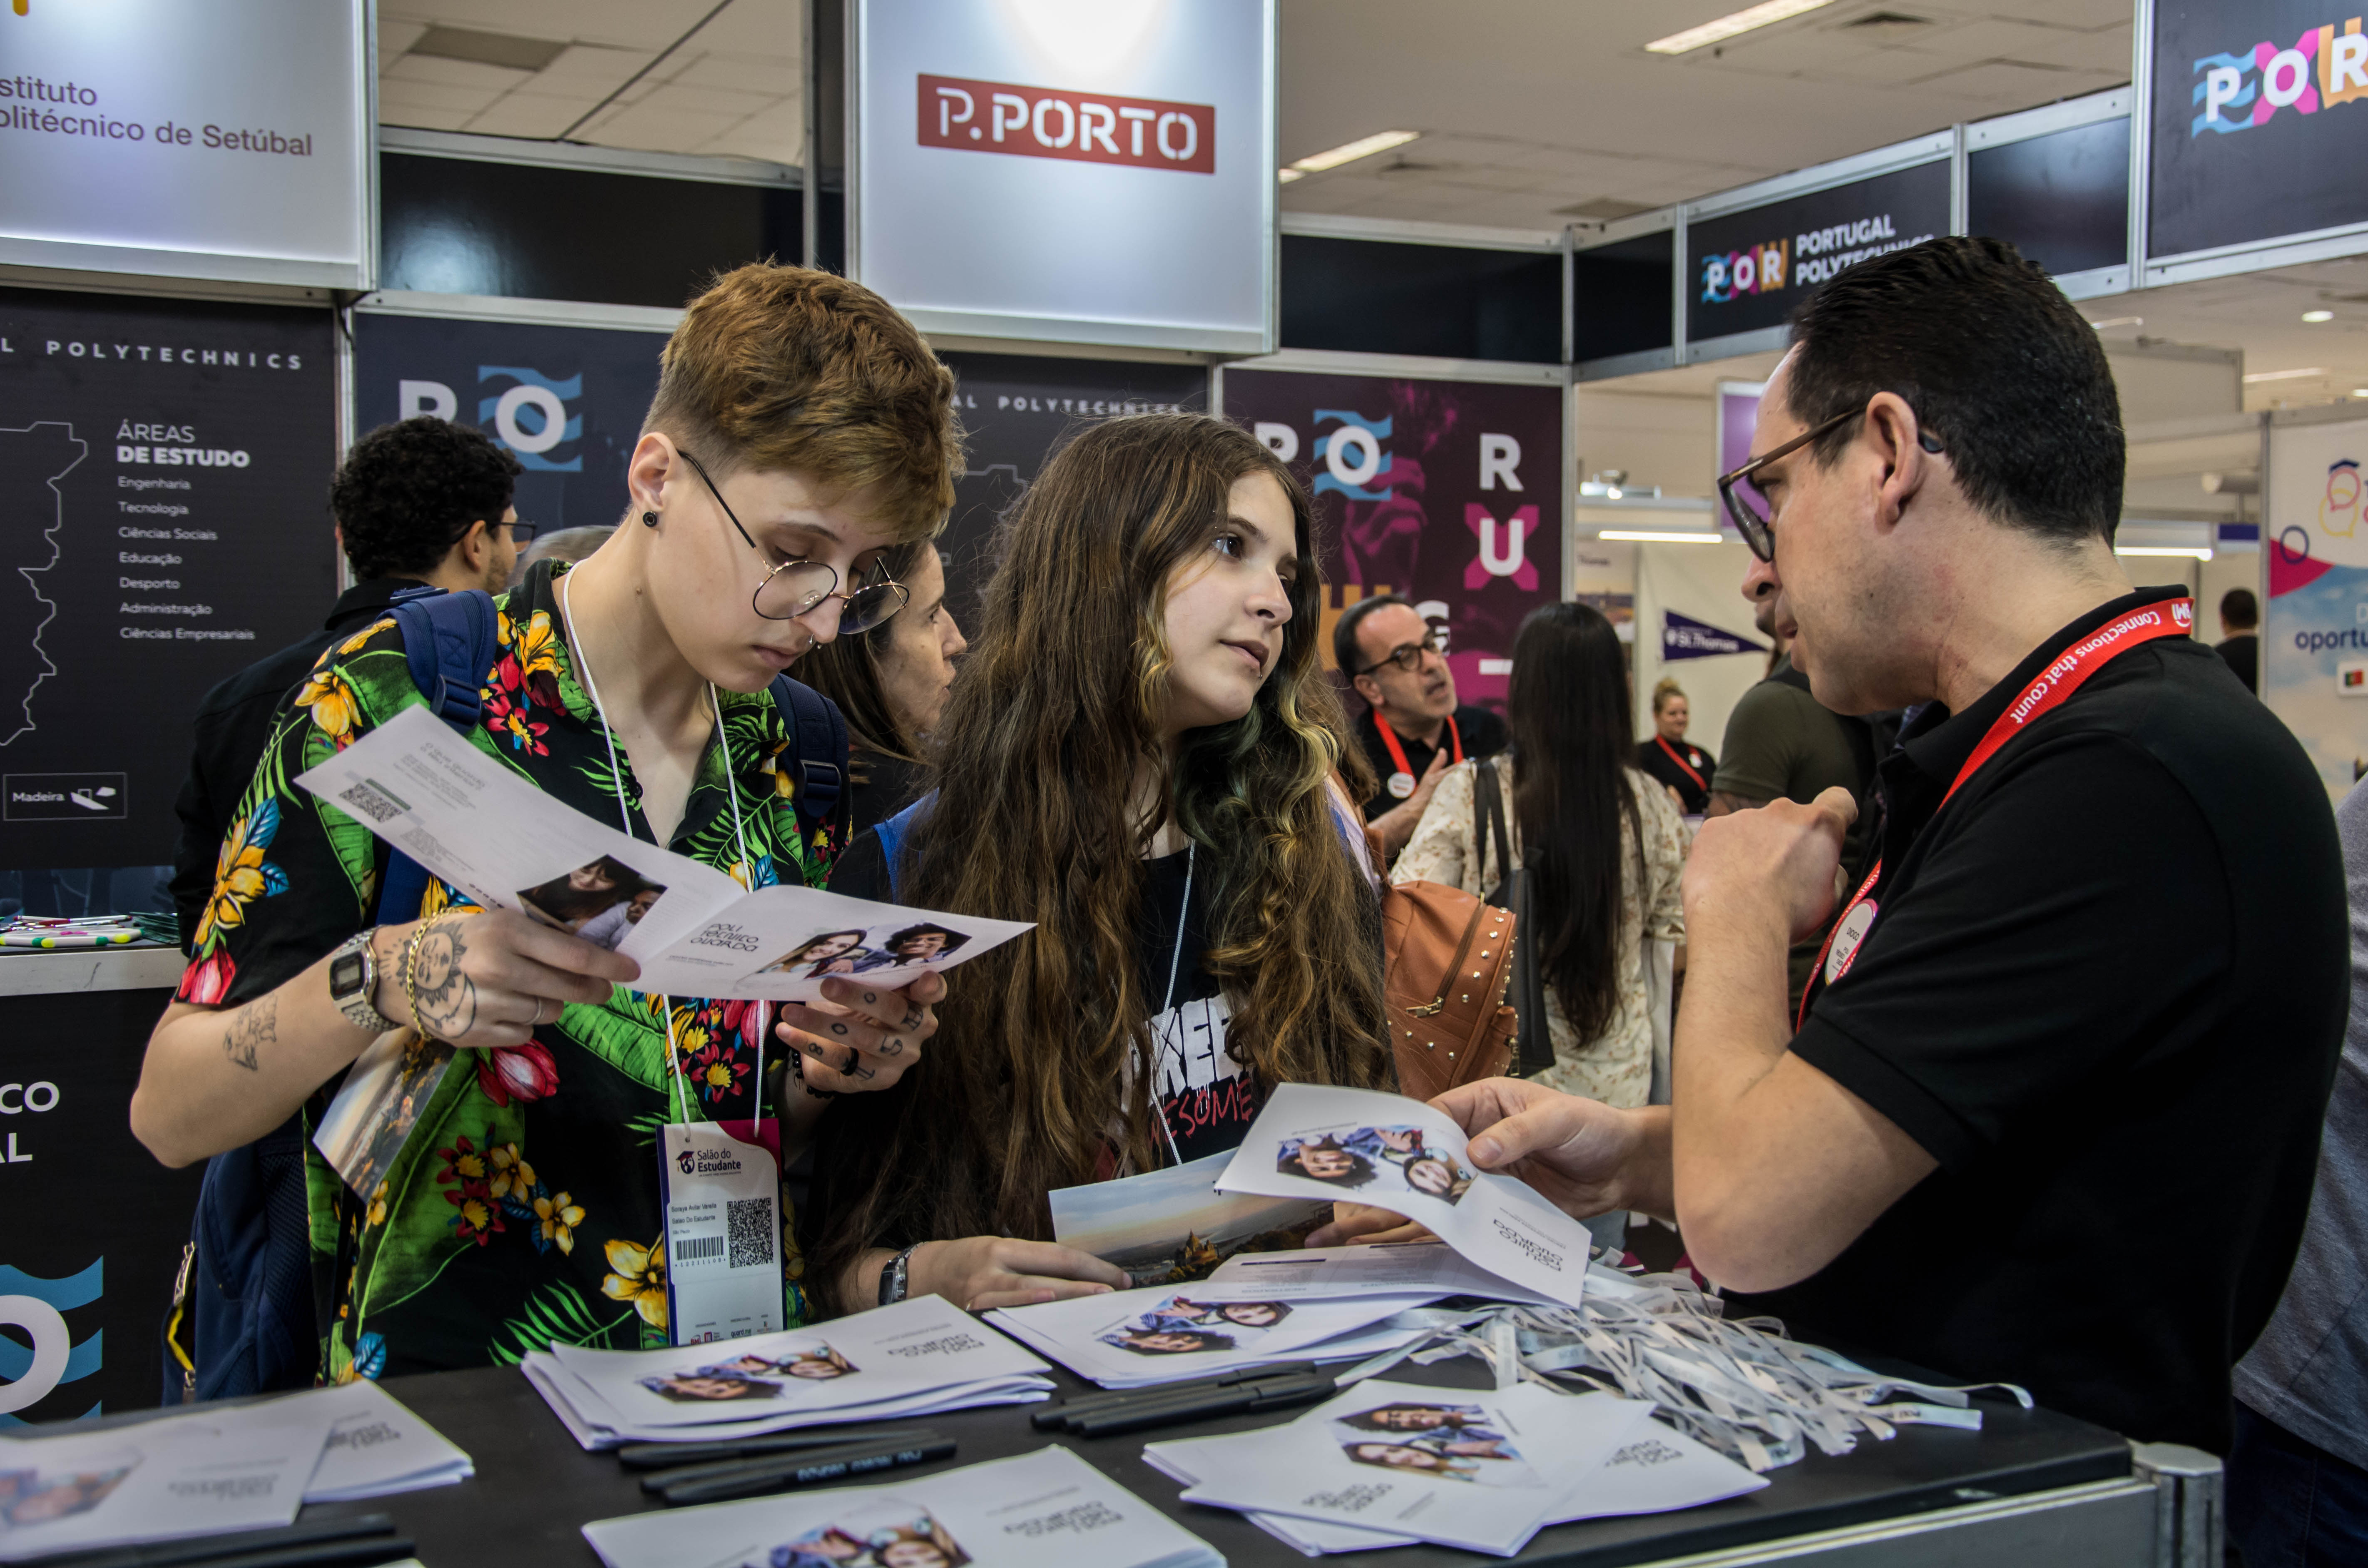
[1532, 112]
[600, 72]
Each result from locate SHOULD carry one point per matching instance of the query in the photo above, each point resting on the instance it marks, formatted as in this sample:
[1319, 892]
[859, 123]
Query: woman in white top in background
[1603, 843]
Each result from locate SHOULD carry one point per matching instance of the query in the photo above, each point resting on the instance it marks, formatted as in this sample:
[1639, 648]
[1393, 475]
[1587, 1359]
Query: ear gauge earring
[649, 519]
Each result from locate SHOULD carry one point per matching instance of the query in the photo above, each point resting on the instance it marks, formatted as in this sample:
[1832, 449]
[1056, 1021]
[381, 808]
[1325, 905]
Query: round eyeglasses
[797, 587]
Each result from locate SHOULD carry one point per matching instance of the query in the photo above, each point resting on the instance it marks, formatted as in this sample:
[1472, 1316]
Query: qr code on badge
[371, 802]
[751, 1223]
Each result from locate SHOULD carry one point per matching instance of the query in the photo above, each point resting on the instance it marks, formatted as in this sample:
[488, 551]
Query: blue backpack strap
[818, 736]
[892, 831]
[451, 640]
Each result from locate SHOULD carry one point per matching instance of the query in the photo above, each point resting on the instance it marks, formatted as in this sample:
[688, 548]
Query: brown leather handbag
[1448, 958]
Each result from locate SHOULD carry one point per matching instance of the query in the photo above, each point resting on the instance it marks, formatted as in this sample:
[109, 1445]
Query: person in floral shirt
[801, 430]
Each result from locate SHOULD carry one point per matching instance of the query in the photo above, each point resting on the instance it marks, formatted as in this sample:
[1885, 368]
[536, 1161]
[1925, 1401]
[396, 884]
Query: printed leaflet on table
[1368, 1147]
[1368, 1267]
[1461, 1466]
[1656, 1470]
[694, 931]
[1048, 1509]
[1169, 1334]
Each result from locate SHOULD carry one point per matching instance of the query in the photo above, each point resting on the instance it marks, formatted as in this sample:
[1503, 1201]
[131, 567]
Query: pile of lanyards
[1739, 1386]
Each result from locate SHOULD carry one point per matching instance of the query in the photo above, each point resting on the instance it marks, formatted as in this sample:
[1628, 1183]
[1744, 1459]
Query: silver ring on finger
[538, 1011]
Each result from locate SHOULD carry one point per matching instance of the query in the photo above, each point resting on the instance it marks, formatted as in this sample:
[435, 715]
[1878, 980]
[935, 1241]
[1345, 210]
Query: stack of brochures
[1048, 1509]
[918, 1358]
[1390, 1464]
[212, 1472]
[1171, 1334]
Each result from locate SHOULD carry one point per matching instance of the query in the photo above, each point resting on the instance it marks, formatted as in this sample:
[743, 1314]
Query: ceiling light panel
[1349, 151]
[1734, 23]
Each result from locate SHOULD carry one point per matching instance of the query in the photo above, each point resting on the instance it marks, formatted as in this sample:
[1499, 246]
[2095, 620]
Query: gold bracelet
[411, 974]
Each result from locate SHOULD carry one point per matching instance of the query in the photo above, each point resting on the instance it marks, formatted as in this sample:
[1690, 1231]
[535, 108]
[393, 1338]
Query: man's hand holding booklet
[694, 931]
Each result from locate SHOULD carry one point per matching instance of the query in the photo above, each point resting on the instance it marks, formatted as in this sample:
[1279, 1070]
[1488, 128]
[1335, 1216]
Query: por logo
[1756, 269]
[1084, 128]
[2243, 89]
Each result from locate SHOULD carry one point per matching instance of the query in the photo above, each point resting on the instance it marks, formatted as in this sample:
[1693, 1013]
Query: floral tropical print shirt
[522, 1211]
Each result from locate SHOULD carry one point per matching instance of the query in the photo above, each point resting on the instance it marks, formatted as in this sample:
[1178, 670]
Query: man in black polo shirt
[422, 507]
[2053, 1112]
[1411, 728]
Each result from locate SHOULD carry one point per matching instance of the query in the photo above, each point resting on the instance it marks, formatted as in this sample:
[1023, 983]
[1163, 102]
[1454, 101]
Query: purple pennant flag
[1682, 637]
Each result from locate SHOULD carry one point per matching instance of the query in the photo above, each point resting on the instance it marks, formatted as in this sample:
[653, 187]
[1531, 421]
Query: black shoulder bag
[1534, 1048]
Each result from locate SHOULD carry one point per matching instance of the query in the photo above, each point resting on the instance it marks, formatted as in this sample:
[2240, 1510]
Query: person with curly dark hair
[422, 507]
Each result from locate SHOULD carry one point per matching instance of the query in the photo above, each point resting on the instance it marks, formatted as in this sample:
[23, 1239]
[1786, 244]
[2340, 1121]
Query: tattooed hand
[859, 1037]
[489, 979]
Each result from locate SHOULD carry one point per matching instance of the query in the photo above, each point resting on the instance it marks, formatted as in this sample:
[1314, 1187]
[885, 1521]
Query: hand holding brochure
[693, 930]
[1048, 1509]
[1401, 1155]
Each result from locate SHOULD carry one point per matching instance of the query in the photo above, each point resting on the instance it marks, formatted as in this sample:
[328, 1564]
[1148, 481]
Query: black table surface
[535, 1488]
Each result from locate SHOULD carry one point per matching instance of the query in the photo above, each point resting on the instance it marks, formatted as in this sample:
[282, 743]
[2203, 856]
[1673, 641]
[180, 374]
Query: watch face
[345, 975]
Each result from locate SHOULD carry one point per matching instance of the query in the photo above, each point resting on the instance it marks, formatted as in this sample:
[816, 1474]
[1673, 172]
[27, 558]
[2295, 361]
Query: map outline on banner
[50, 536]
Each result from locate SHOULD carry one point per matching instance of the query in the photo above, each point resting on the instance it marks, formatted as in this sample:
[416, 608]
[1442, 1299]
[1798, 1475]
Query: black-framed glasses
[1407, 656]
[519, 532]
[795, 587]
[1747, 508]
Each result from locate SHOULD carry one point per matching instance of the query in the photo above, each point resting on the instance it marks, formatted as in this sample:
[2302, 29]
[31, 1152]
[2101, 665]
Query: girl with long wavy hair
[1137, 758]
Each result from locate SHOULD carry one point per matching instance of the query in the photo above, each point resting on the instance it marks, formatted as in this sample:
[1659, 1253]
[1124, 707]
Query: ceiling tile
[592, 67]
[454, 73]
[658, 126]
[394, 36]
[528, 114]
[769, 74]
[424, 96]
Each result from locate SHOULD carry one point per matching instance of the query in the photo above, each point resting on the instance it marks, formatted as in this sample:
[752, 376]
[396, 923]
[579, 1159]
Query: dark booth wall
[1620, 297]
[458, 226]
[2063, 199]
[1447, 301]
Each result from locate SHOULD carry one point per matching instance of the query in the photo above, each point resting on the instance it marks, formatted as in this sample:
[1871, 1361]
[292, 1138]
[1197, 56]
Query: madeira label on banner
[1048, 122]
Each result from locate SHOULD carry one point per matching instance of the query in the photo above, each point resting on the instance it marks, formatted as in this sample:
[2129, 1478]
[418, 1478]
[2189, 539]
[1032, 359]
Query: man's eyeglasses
[794, 587]
[519, 532]
[1749, 509]
[1407, 656]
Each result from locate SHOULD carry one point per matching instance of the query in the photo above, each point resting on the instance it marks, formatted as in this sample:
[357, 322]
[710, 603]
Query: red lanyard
[1397, 752]
[1664, 743]
[2048, 691]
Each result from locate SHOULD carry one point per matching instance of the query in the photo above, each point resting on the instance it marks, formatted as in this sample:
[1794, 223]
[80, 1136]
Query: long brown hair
[1573, 742]
[1050, 726]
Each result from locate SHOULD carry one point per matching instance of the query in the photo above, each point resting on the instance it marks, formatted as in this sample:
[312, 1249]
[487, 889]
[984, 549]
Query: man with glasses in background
[1411, 728]
[421, 507]
[2049, 1113]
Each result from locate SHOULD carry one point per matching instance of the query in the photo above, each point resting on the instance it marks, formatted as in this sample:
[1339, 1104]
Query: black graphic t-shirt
[1208, 1098]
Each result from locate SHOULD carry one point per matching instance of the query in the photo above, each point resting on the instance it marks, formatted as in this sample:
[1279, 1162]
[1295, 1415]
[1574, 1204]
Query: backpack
[244, 1287]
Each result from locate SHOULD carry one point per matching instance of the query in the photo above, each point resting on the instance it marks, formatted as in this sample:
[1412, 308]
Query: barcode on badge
[696, 1249]
[750, 1220]
[372, 801]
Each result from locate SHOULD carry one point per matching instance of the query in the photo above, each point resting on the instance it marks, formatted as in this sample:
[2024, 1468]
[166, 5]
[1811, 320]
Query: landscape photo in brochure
[1170, 1226]
[1401, 1155]
[505, 845]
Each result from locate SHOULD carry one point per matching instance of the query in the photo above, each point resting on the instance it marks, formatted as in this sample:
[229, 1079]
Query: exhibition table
[2034, 1487]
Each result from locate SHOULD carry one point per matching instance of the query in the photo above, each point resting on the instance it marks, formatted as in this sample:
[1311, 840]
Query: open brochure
[694, 931]
[1386, 1149]
[1168, 1333]
[1369, 1268]
[377, 1446]
[236, 1469]
[1461, 1466]
[915, 1347]
[1048, 1509]
[1657, 1471]
[1169, 1226]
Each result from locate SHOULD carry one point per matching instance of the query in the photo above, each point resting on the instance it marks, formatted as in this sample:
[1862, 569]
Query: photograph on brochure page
[1398, 1153]
[503, 844]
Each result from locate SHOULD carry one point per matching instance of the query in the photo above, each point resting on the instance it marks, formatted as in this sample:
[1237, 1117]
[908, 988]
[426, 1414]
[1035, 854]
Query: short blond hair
[1665, 689]
[779, 367]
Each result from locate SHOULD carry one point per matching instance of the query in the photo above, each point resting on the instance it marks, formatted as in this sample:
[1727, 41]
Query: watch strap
[896, 1276]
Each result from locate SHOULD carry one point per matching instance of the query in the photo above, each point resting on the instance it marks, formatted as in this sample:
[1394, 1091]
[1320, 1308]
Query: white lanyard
[1175, 961]
[625, 815]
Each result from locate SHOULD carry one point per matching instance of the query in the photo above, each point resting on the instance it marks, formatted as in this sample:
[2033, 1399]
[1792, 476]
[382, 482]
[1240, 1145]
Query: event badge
[1847, 936]
[722, 1194]
[1401, 785]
